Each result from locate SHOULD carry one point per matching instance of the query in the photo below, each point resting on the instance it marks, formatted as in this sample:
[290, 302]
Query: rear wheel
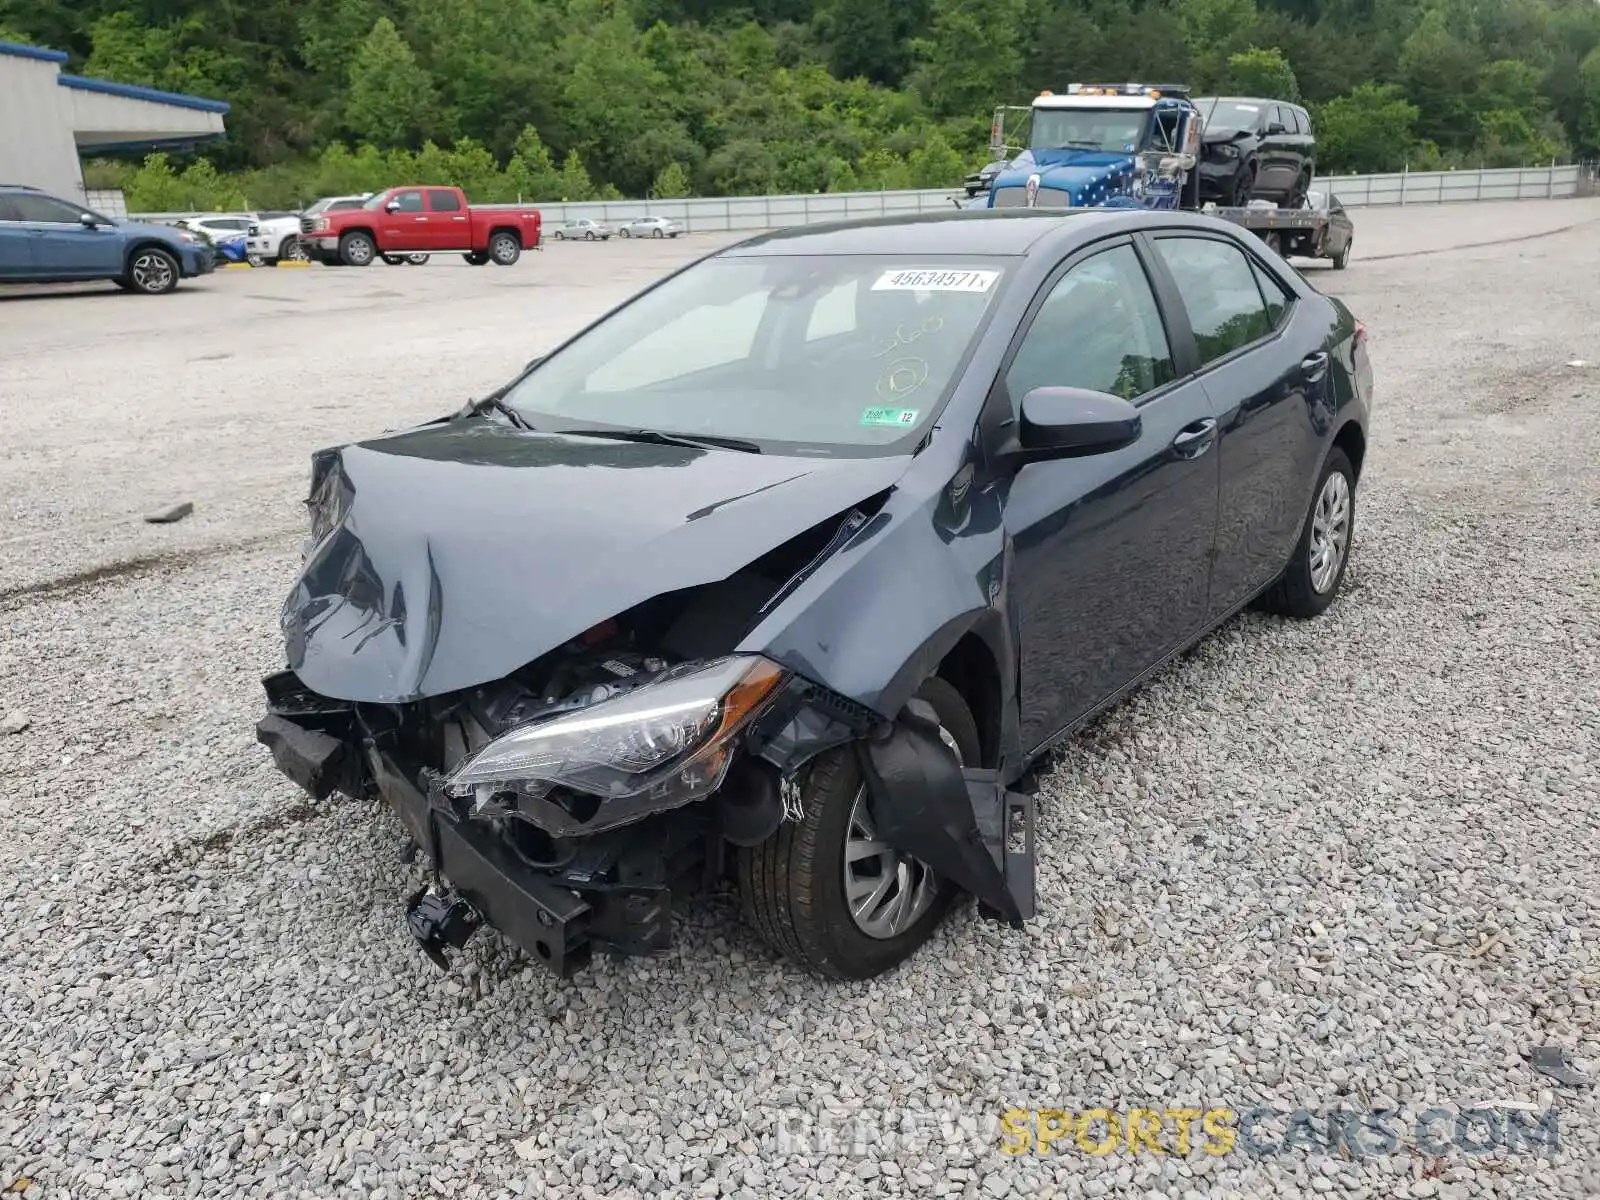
[1341, 260]
[292, 250]
[504, 249]
[416, 260]
[623, 232]
[357, 249]
[655, 233]
[1311, 581]
[393, 260]
[825, 891]
[476, 258]
[588, 235]
[1297, 195]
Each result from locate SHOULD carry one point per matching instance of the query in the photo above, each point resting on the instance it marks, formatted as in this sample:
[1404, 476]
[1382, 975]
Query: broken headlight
[671, 738]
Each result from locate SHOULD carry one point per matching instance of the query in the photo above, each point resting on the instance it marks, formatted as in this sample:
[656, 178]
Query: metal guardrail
[750, 213]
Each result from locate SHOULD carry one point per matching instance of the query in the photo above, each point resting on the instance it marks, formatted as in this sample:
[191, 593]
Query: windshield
[1118, 130]
[832, 355]
[1231, 114]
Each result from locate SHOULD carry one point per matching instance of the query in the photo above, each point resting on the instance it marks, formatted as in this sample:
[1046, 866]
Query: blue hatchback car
[44, 239]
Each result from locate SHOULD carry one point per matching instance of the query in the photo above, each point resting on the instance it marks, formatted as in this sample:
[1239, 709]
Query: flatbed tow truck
[1309, 232]
[1131, 145]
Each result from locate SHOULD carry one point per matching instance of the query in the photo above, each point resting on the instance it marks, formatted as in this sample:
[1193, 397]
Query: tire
[623, 233]
[1244, 186]
[476, 259]
[291, 250]
[393, 260]
[1296, 592]
[588, 235]
[1297, 194]
[559, 236]
[1341, 260]
[655, 233]
[255, 260]
[793, 888]
[416, 260]
[151, 272]
[504, 249]
[357, 249]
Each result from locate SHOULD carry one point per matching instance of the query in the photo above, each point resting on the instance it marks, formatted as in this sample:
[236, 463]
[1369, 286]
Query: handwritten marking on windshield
[905, 334]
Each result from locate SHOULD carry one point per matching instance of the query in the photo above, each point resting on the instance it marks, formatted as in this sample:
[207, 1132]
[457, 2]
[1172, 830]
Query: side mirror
[393, 206]
[87, 221]
[1067, 422]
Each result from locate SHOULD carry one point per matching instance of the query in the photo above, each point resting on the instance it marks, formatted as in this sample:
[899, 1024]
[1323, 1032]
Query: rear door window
[444, 201]
[1219, 291]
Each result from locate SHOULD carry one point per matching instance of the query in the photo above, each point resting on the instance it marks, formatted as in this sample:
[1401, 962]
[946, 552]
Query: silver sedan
[650, 227]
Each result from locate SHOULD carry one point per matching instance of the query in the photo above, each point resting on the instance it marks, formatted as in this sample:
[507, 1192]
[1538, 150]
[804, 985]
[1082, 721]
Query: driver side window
[409, 202]
[1098, 329]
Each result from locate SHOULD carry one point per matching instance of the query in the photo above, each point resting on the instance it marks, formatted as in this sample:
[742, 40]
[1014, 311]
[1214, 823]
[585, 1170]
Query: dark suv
[1253, 149]
[44, 239]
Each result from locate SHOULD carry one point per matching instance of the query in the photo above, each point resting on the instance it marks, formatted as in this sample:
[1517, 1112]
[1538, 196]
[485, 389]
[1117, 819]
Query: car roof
[1247, 100]
[984, 231]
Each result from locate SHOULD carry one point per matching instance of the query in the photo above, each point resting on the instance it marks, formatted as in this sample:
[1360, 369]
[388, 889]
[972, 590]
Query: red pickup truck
[420, 220]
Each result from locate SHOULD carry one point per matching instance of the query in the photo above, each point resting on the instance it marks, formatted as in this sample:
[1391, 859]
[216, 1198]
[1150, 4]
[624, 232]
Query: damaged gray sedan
[788, 570]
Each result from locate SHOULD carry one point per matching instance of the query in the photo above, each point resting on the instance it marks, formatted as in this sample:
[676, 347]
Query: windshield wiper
[476, 408]
[699, 441]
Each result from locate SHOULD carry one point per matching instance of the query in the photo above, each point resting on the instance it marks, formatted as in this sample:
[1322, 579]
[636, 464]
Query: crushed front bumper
[600, 898]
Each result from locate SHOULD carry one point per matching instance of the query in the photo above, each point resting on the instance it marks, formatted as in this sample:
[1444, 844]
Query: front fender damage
[962, 822]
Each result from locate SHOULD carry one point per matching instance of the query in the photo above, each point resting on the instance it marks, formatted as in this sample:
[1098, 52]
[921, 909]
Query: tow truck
[1105, 145]
[1134, 145]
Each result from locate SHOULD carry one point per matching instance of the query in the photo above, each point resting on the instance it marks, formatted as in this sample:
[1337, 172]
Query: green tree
[1373, 129]
[935, 163]
[391, 100]
[1256, 72]
[672, 183]
[971, 59]
[575, 182]
[1438, 70]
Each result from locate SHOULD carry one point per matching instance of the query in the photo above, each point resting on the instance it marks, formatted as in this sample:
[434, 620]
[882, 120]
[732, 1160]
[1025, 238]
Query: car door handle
[1195, 439]
[1315, 365]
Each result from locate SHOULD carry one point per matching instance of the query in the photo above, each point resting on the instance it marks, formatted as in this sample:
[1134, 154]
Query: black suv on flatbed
[1254, 149]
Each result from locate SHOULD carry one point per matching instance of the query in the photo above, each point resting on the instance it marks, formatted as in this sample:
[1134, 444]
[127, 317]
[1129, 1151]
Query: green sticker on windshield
[889, 416]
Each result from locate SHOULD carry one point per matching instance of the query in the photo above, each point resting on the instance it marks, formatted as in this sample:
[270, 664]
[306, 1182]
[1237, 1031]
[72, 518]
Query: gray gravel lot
[1351, 861]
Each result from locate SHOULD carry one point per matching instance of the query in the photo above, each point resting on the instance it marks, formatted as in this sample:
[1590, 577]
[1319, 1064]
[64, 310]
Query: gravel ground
[1343, 863]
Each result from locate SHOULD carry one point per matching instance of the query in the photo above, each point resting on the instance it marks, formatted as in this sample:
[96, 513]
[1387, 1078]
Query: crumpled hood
[1079, 173]
[1220, 133]
[452, 554]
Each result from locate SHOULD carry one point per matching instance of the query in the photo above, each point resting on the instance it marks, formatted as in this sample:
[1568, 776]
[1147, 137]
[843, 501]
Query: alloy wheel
[887, 892]
[1330, 531]
[152, 272]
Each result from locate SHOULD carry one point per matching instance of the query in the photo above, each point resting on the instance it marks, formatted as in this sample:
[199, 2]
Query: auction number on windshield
[936, 281]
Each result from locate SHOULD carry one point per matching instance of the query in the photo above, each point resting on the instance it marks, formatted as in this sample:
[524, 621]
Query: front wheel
[291, 249]
[825, 891]
[1341, 260]
[504, 249]
[416, 260]
[623, 233]
[393, 260]
[589, 236]
[358, 249]
[1311, 581]
[152, 272]
[656, 233]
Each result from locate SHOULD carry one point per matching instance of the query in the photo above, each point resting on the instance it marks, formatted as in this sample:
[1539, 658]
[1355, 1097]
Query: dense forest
[573, 99]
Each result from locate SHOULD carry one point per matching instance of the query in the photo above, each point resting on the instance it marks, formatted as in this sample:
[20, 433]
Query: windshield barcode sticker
[936, 281]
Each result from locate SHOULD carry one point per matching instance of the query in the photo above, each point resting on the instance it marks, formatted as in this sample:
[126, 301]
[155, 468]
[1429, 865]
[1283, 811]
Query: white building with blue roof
[49, 121]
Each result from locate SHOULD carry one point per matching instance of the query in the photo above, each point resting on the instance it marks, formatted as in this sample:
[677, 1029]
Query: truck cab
[1126, 145]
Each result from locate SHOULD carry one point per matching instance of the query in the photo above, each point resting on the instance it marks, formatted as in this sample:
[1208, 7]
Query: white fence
[773, 212]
